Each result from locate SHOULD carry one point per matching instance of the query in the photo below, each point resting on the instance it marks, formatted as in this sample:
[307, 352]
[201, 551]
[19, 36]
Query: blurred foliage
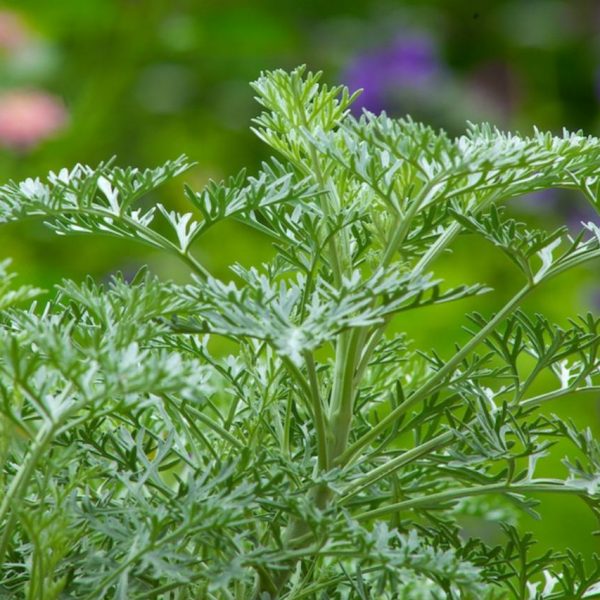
[149, 80]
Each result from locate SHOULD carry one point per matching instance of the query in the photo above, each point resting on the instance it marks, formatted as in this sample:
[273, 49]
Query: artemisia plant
[326, 457]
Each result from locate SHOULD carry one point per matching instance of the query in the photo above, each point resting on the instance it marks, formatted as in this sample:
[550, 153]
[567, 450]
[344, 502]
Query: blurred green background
[81, 81]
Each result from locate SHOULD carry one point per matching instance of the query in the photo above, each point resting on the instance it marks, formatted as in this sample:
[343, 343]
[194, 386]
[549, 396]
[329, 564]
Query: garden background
[147, 80]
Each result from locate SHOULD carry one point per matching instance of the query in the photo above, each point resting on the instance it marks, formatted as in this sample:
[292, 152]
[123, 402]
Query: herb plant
[325, 457]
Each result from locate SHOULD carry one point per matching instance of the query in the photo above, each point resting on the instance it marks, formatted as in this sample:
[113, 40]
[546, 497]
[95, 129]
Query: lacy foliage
[325, 457]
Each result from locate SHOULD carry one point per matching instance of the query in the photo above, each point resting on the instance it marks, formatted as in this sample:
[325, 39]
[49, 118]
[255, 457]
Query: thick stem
[344, 393]
[319, 417]
[295, 538]
[334, 432]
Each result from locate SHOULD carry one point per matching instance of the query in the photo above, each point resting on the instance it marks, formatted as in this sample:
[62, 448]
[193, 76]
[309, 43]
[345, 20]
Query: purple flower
[595, 299]
[577, 213]
[569, 208]
[409, 61]
[546, 200]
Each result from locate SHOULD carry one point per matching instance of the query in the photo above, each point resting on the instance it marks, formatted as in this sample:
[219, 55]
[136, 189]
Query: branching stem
[439, 376]
[441, 498]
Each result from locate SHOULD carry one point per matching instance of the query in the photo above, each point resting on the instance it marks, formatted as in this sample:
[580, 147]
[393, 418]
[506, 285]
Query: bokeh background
[148, 80]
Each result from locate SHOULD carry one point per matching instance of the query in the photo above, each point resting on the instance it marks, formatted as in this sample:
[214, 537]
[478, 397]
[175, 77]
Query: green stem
[287, 427]
[149, 236]
[542, 398]
[5, 540]
[437, 248]
[369, 343]
[439, 377]
[334, 256]
[439, 442]
[343, 394]
[403, 229]
[432, 253]
[426, 388]
[542, 485]
[310, 591]
[299, 378]
[215, 427]
[395, 464]
[320, 422]
[441, 243]
[192, 262]
[571, 262]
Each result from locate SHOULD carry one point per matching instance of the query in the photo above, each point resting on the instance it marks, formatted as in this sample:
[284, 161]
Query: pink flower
[14, 34]
[27, 117]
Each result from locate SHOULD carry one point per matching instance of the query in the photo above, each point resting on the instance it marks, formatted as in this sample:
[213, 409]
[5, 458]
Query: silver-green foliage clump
[325, 457]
